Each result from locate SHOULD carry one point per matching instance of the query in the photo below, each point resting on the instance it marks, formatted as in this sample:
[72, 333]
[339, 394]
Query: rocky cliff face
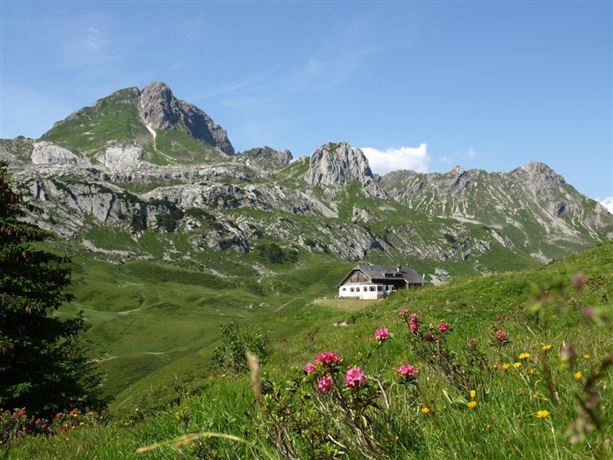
[159, 109]
[338, 164]
[267, 157]
[45, 153]
[157, 182]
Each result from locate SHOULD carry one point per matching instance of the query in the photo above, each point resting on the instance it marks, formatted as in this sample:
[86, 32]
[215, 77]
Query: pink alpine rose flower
[354, 377]
[309, 368]
[579, 280]
[443, 327]
[328, 358]
[325, 384]
[382, 334]
[414, 324]
[407, 371]
[501, 335]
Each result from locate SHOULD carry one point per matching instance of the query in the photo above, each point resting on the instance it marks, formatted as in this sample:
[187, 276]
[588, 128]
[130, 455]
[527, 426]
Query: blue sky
[422, 84]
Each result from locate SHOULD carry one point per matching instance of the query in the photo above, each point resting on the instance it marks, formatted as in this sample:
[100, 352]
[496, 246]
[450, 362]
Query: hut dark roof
[383, 273]
[377, 272]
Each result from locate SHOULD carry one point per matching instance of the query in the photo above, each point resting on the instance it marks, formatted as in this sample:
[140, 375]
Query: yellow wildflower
[578, 375]
[473, 394]
[542, 414]
[506, 366]
[586, 357]
[517, 365]
[546, 347]
[472, 404]
[532, 371]
[425, 410]
[524, 355]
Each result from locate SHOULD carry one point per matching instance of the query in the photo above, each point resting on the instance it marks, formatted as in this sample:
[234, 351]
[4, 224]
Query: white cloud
[392, 159]
[608, 203]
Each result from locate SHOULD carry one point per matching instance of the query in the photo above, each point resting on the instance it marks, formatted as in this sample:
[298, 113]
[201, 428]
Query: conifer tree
[43, 365]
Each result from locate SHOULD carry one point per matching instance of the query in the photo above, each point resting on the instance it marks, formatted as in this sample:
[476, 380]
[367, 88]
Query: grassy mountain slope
[115, 120]
[531, 205]
[150, 323]
[112, 118]
[502, 426]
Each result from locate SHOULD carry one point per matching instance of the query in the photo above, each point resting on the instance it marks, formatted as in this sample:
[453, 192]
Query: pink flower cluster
[408, 371]
[443, 327]
[325, 384]
[354, 377]
[414, 324]
[382, 334]
[17, 423]
[501, 335]
[579, 280]
[309, 368]
[328, 358]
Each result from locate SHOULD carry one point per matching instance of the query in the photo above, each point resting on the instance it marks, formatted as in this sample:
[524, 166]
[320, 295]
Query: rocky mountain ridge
[205, 198]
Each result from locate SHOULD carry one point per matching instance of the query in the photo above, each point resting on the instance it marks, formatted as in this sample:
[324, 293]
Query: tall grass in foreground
[497, 401]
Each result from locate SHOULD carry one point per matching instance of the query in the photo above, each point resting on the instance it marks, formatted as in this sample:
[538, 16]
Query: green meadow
[153, 328]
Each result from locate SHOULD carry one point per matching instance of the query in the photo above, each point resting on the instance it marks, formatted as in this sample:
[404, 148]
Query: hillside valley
[475, 307]
[173, 233]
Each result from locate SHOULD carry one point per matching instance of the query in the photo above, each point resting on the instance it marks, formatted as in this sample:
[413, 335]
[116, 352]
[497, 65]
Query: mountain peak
[156, 86]
[457, 170]
[160, 109]
[337, 164]
[157, 106]
[539, 175]
[268, 156]
[536, 167]
[133, 116]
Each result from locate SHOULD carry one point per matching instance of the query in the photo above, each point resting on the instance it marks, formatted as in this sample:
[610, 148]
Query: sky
[418, 85]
